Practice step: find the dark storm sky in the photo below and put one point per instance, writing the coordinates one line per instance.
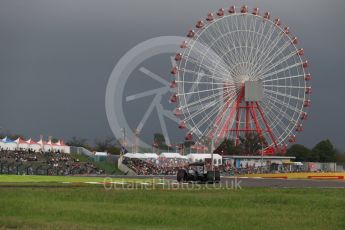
(56, 57)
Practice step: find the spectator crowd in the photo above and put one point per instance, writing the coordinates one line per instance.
(160, 166)
(43, 163)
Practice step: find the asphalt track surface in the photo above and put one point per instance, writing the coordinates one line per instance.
(266, 182)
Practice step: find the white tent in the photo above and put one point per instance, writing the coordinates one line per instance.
(57, 147)
(21, 144)
(135, 155)
(65, 148)
(151, 155)
(33, 145)
(48, 146)
(200, 157)
(42, 143)
(8, 144)
(172, 155)
(101, 154)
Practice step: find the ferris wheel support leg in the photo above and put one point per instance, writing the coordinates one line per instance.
(238, 102)
(267, 126)
(237, 127)
(255, 118)
(228, 121)
(247, 117)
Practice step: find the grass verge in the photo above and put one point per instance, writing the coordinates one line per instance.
(96, 208)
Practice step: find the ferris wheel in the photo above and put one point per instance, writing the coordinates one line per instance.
(240, 72)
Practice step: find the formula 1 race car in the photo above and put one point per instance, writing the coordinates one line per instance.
(197, 172)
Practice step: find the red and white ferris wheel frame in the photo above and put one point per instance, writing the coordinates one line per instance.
(234, 48)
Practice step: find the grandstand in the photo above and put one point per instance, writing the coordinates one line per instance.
(30, 162)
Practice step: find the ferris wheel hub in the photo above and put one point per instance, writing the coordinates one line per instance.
(254, 91)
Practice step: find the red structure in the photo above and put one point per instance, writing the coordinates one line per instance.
(249, 84)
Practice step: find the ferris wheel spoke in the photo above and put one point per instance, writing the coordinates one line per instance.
(266, 42)
(284, 78)
(279, 52)
(197, 107)
(267, 67)
(190, 104)
(204, 51)
(229, 40)
(279, 71)
(209, 64)
(219, 48)
(207, 75)
(279, 112)
(208, 118)
(251, 37)
(276, 112)
(267, 50)
(223, 114)
(276, 100)
(253, 43)
(200, 50)
(204, 91)
(283, 95)
(204, 108)
(272, 52)
(275, 122)
(194, 85)
(206, 83)
(264, 39)
(285, 86)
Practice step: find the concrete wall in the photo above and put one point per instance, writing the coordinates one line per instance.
(123, 168)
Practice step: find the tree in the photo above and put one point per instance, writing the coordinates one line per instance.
(159, 141)
(107, 145)
(301, 152)
(251, 143)
(78, 142)
(227, 147)
(340, 157)
(325, 151)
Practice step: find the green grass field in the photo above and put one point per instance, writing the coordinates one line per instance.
(67, 206)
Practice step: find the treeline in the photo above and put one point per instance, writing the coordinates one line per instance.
(109, 145)
(324, 151)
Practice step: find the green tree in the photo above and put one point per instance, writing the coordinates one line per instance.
(78, 142)
(159, 141)
(325, 151)
(227, 147)
(251, 143)
(107, 145)
(340, 157)
(301, 152)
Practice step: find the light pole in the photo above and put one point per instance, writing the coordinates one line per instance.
(212, 164)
